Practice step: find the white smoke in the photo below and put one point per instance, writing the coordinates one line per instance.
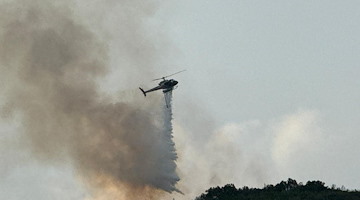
(251, 153)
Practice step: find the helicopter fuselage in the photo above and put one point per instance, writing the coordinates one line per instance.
(168, 83)
(165, 85)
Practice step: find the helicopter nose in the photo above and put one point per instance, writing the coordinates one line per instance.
(175, 82)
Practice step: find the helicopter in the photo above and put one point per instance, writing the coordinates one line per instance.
(166, 85)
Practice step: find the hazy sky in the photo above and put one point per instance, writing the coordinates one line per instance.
(271, 92)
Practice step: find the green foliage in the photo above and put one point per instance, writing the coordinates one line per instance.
(285, 190)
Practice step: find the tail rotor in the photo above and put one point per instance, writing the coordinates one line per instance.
(143, 91)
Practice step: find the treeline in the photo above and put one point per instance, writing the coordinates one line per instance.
(285, 190)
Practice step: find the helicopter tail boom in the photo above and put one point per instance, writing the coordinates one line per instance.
(142, 91)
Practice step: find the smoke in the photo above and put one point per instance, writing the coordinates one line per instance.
(252, 153)
(51, 64)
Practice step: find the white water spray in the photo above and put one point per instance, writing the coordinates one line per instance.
(168, 138)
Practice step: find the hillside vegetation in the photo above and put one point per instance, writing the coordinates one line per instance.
(285, 190)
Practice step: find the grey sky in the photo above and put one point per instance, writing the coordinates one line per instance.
(271, 92)
(272, 55)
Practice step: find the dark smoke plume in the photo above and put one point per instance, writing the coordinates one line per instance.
(50, 66)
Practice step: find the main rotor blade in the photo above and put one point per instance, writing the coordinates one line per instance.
(158, 78)
(169, 75)
(175, 73)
